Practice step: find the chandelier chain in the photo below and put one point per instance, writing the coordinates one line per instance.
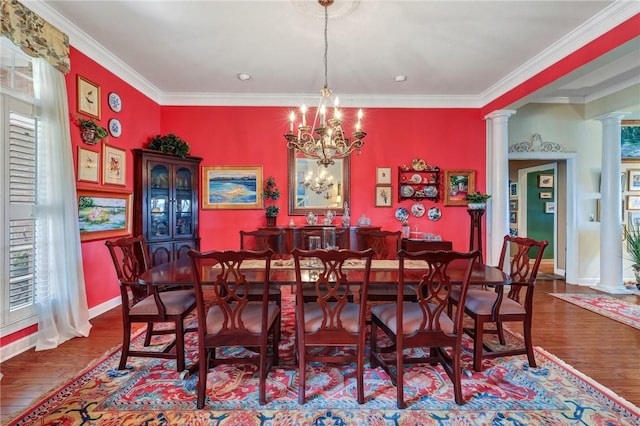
(326, 46)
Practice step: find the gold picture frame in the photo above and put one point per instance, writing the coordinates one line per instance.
(88, 165)
(114, 165)
(232, 187)
(104, 213)
(383, 175)
(383, 196)
(88, 97)
(457, 184)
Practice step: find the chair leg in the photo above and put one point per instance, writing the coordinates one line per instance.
(301, 363)
(180, 363)
(262, 392)
(528, 342)
(457, 375)
(500, 331)
(147, 337)
(400, 376)
(126, 342)
(478, 348)
(202, 377)
(360, 373)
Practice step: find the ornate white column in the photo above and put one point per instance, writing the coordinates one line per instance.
(611, 279)
(498, 183)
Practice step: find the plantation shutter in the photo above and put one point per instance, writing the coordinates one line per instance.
(20, 199)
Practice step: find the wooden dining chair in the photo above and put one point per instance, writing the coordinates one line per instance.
(147, 304)
(495, 306)
(423, 323)
(227, 318)
(260, 240)
(331, 318)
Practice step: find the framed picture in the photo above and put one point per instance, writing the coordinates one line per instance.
(545, 195)
(383, 195)
(383, 175)
(513, 205)
(232, 187)
(550, 207)
(634, 220)
(513, 189)
(630, 140)
(88, 97)
(513, 217)
(114, 165)
(88, 165)
(545, 181)
(103, 213)
(457, 184)
(634, 180)
(633, 202)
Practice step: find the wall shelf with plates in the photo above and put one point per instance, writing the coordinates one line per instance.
(421, 181)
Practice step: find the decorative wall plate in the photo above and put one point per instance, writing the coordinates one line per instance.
(430, 191)
(406, 190)
(114, 102)
(417, 210)
(115, 128)
(402, 214)
(418, 164)
(434, 214)
(416, 178)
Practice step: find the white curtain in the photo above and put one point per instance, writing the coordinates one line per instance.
(60, 291)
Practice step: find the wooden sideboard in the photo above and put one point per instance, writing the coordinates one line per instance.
(419, 245)
(296, 234)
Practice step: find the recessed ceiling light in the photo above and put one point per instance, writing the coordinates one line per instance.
(400, 78)
(243, 77)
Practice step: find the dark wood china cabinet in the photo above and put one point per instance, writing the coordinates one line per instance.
(166, 203)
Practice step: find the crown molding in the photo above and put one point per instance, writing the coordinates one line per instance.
(612, 16)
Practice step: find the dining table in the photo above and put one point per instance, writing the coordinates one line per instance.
(384, 271)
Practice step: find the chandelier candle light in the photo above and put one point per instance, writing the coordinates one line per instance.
(325, 140)
(323, 182)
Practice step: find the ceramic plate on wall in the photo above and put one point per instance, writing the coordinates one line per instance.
(114, 102)
(434, 214)
(417, 210)
(406, 191)
(115, 128)
(402, 214)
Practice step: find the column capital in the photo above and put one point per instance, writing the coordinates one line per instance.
(500, 113)
(612, 116)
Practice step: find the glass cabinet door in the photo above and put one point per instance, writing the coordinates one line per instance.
(184, 202)
(159, 202)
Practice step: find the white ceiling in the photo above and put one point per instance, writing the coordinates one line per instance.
(454, 53)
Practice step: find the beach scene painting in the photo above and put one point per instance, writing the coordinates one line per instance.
(232, 187)
(103, 214)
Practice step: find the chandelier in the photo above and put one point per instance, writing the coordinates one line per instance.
(323, 182)
(324, 140)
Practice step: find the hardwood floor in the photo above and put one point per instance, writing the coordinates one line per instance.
(603, 349)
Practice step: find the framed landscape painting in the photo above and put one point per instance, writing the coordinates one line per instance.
(232, 187)
(457, 184)
(103, 213)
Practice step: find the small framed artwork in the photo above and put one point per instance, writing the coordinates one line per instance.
(634, 180)
(88, 165)
(545, 195)
(513, 217)
(545, 181)
(114, 165)
(88, 97)
(383, 175)
(513, 232)
(513, 189)
(633, 202)
(103, 213)
(232, 187)
(550, 207)
(513, 205)
(457, 184)
(634, 220)
(383, 195)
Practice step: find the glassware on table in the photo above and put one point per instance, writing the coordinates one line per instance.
(329, 237)
(314, 244)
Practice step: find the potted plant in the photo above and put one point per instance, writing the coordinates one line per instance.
(271, 193)
(477, 200)
(631, 234)
(169, 144)
(90, 131)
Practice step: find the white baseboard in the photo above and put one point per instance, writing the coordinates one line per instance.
(28, 342)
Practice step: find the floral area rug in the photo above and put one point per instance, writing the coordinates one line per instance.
(610, 307)
(508, 392)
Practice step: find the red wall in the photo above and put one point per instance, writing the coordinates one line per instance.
(448, 138)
